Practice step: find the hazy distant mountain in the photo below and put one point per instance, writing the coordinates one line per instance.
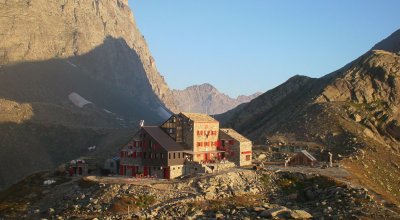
(206, 98)
(353, 113)
(51, 49)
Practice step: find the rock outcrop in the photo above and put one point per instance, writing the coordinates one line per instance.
(206, 98)
(52, 49)
(99, 37)
(356, 107)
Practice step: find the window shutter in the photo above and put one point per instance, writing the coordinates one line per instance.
(198, 132)
(201, 143)
(122, 154)
(219, 143)
(140, 144)
(134, 154)
(201, 132)
(134, 144)
(140, 154)
(130, 146)
(231, 142)
(140, 135)
(144, 144)
(155, 146)
(232, 153)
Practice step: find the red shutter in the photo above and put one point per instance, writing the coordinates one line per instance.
(140, 143)
(231, 142)
(121, 169)
(232, 153)
(198, 132)
(144, 144)
(219, 143)
(140, 135)
(122, 154)
(140, 154)
(155, 146)
(201, 144)
(201, 132)
(134, 154)
(134, 144)
(130, 146)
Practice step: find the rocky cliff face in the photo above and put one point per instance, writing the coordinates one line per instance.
(52, 49)
(100, 37)
(206, 98)
(354, 111)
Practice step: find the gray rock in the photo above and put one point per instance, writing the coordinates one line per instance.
(274, 212)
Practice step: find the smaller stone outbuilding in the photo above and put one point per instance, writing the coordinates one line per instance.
(303, 158)
(238, 149)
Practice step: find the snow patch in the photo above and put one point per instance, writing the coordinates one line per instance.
(78, 100)
(163, 113)
(71, 64)
(107, 111)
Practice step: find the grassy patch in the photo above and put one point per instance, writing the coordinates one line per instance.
(265, 178)
(134, 202)
(232, 202)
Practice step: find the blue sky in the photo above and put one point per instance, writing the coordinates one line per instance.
(248, 46)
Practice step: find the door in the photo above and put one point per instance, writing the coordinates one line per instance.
(133, 171)
(187, 170)
(166, 173)
(80, 170)
(121, 170)
(146, 171)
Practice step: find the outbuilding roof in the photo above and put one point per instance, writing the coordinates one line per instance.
(163, 138)
(308, 155)
(234, 134)
(198, 117)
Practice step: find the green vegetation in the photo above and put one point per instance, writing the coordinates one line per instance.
(134, 202)
(265, 178)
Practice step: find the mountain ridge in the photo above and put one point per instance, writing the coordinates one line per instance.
(205, 98)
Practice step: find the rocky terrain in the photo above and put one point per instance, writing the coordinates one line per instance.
(50, 50)
(351, 112)
(232, 194)
(206, 98)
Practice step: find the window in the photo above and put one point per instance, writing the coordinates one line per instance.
(171, 120)
(140, 154)
(144, 154)
(171, 130)
(201, 144)
(231, 142)
(134, 154)
(150, 143)
(140, 135)
(155, 146)
(212, 143)
(247, 157)
(135, 144)
(174, 155)
(198, 133)
(111, 164)
(130, 147)
(179, 155)
(140, 144)
(156, 155)
(206, 144)
(150, 155)
(169, 155)
(161, 155)
(198, 144)
(179, 168)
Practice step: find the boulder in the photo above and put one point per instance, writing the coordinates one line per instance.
(300, 214)
(274, 212)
